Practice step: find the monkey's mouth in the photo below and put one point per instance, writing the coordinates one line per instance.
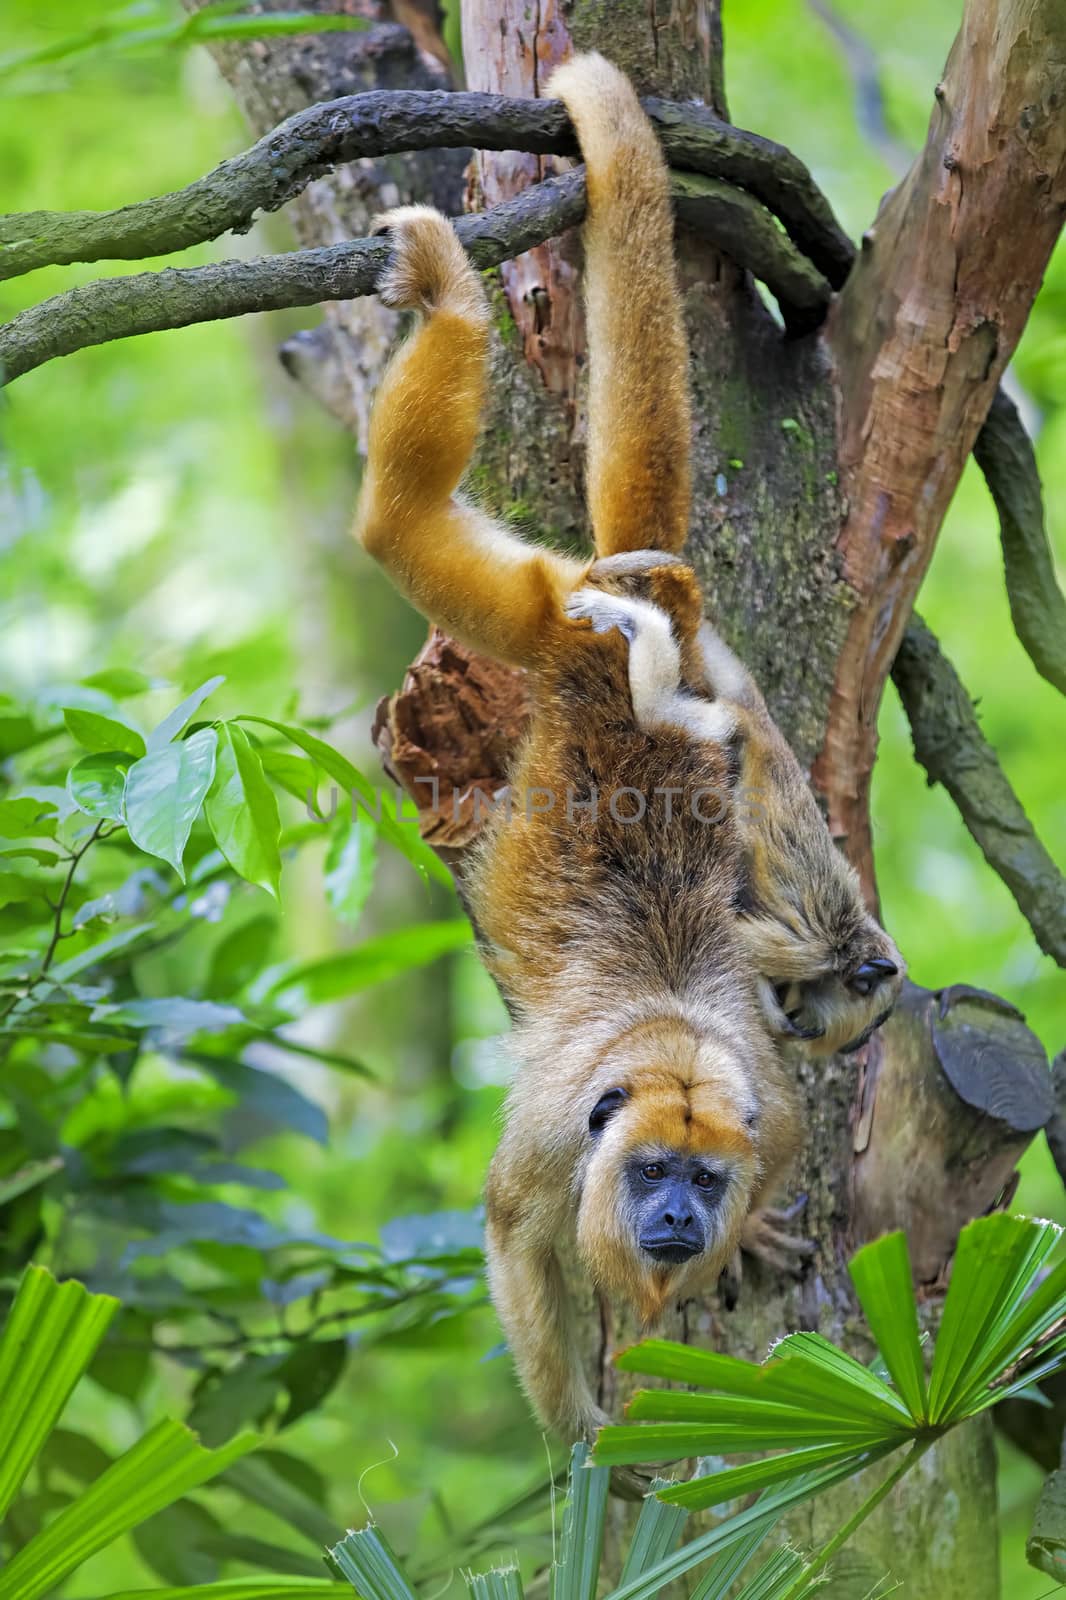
(669, 1249)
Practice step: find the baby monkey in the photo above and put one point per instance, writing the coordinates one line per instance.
(643, 928)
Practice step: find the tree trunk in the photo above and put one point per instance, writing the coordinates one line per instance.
(811, 540)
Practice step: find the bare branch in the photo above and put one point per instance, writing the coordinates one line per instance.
(147, 302)
(949, 744)
(1004, 452)
(313, 141)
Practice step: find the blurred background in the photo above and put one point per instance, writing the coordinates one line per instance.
(176, 505)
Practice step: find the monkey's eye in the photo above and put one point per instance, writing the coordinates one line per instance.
(705, 1179)
(654, 1172)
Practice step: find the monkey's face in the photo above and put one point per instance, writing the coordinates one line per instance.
(670, 1170)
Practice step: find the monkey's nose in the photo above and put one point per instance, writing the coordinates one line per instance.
(675, 1219)
(871, 973)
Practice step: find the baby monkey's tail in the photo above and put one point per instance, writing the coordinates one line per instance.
(639, 423)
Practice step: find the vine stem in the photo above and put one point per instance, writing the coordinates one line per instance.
(57, 925)
(829, 1550)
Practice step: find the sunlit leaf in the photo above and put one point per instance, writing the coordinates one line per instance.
(353, 783)
(97, 784)
(164, 793)
(996, 1263)
(98, 733)
(242, 812)
(881, 1273)
(157, 1470)
(349, 875)
(173, 723)
(49, 1338)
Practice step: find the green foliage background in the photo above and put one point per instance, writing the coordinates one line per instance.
(174, 505)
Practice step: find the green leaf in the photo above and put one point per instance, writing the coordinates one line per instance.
(241, 955)
(366, 1559)
(226, 1401)
(502, 1583)
(242, 812)
(28, 1177)
(25, 816)
(350, 862)
(278, 1483)
(405, 838)
(336, 976)
(97, 784)
(656, 1534)
(805, 1371)
(246, 1589)
(175, 1016)
(310, 1371)
(172, 725)
(99, 733)
(295, 774)
(119, 682)
(264, 1095)
(997, 1261)
(734, 1530)
(576, 1572)
(716, 1584)
(164, 793)
(730, 1426)
(716, 1488)
(881, 1273)
(159, 1469)
(94, 954)
(49, 1338)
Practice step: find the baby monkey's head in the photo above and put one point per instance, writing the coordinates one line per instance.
(829, 974)
(671, 1167)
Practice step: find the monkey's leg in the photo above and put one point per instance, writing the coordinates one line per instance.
(456, 565)
(639, 419)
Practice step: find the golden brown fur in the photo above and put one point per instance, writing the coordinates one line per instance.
(606, 889)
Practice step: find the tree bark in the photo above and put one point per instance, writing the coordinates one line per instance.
(811, 539)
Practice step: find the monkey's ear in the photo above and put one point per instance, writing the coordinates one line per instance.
(605, 1108)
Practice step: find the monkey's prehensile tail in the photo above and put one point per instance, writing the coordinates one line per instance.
(639, 419)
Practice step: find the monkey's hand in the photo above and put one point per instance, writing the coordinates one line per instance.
(766, 1236)
(429, 270)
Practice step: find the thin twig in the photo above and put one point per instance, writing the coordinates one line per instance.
(57, 923)
(949, 744)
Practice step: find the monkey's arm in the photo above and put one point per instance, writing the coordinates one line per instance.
(525, 1217)
(456, 565)
(639, 421)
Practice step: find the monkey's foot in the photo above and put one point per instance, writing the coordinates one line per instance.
(428, 268)
(766, 1236)
(606, 611)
